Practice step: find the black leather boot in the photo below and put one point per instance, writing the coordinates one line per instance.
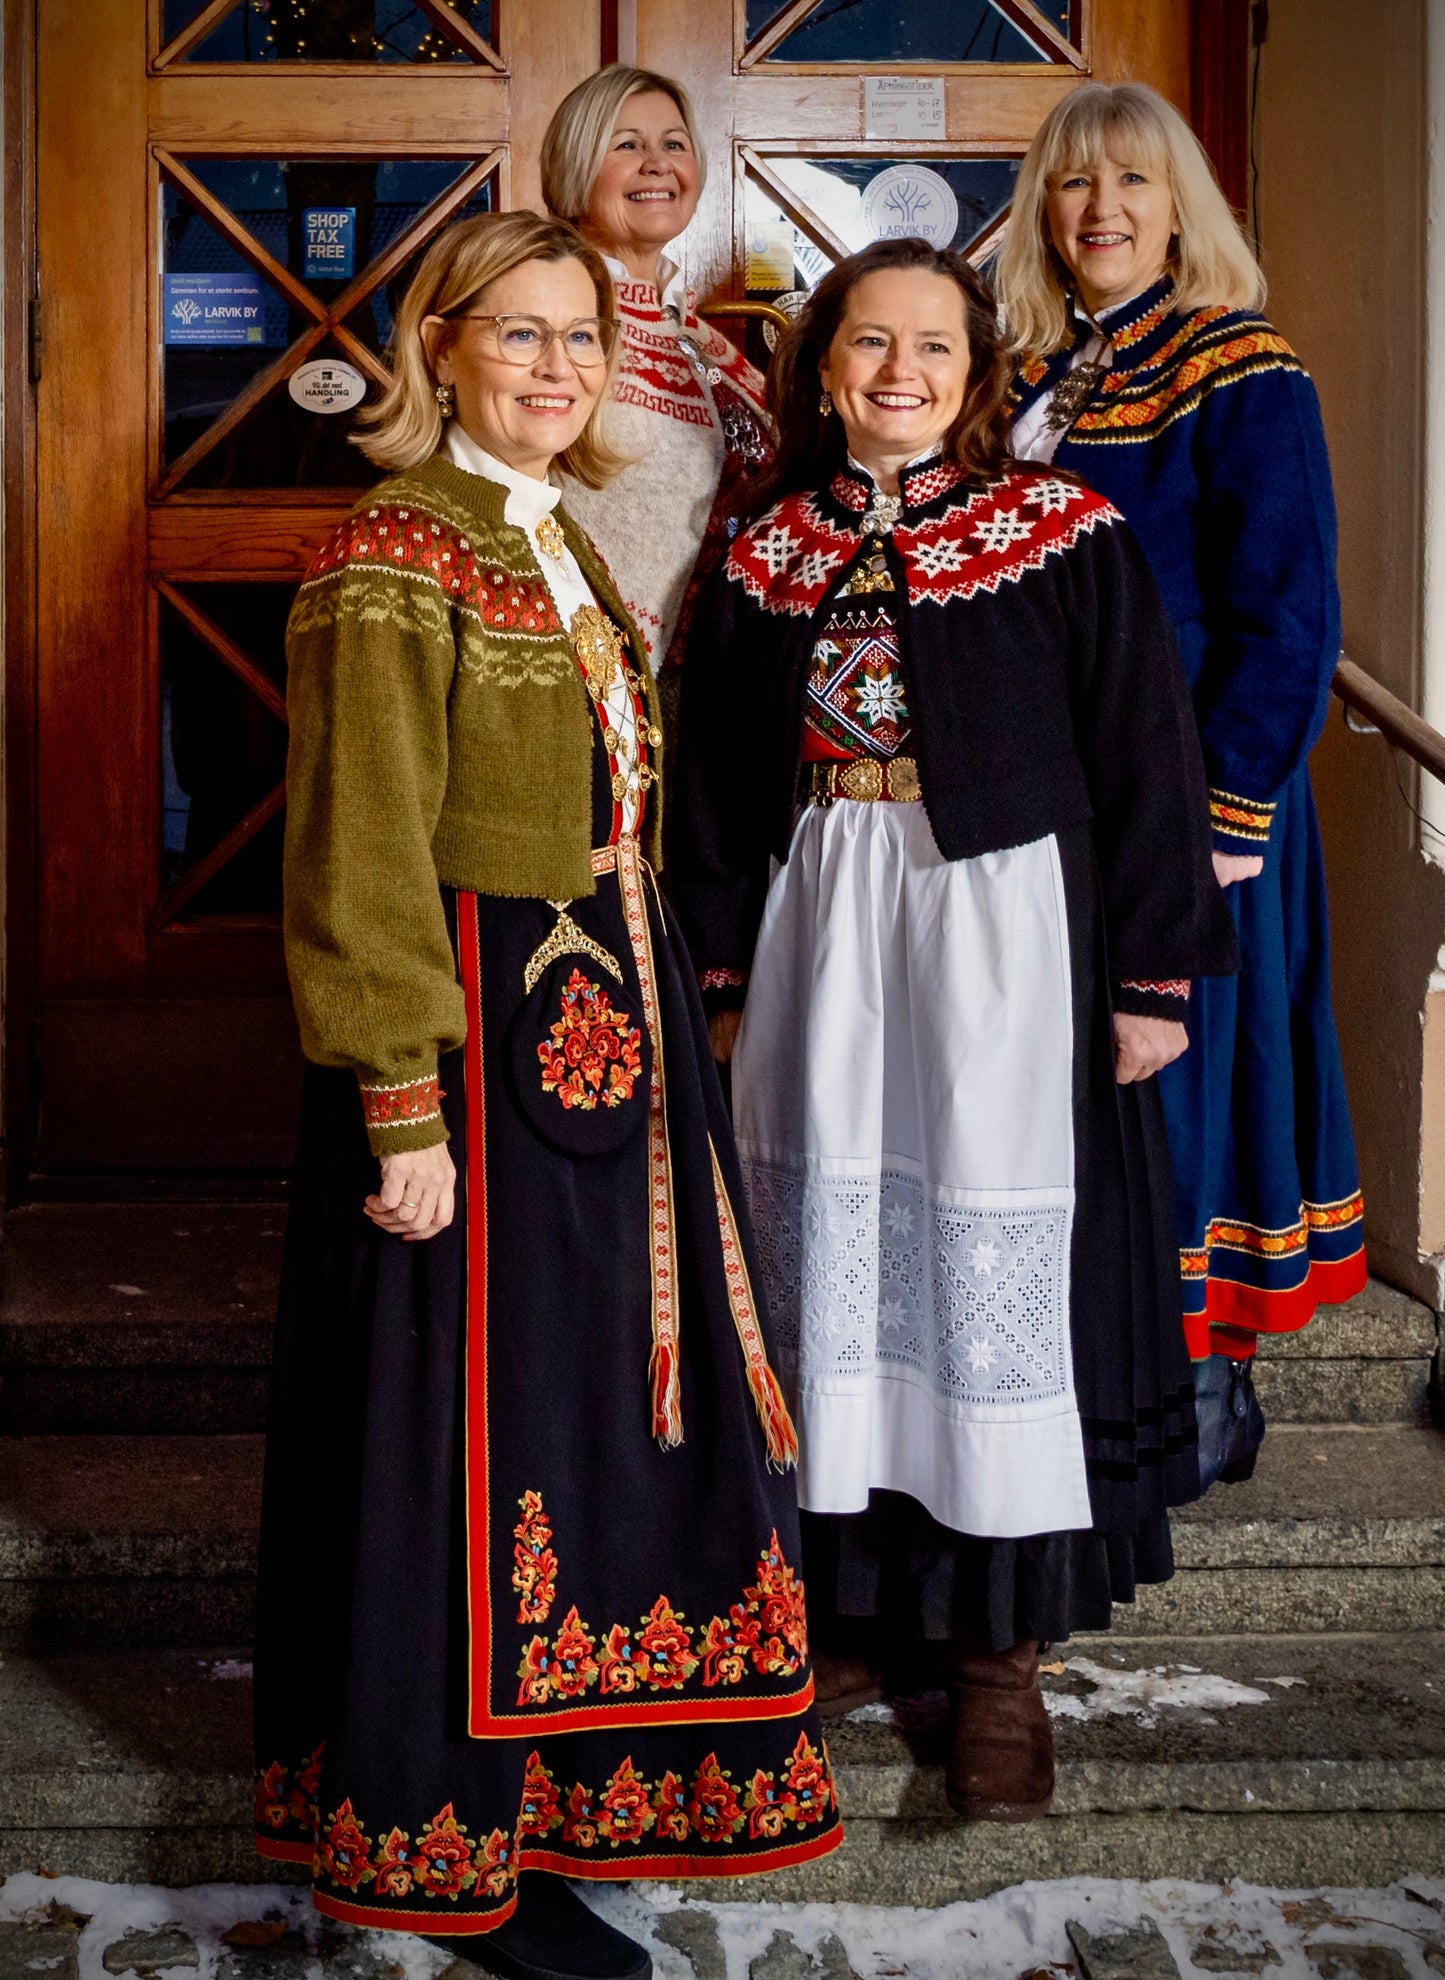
(552, 1935)
(1231, 1422)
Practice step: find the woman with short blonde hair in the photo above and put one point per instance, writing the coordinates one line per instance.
(623, 161)
(1132, 301)
(528, 1601)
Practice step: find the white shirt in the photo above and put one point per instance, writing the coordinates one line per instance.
(528, 500)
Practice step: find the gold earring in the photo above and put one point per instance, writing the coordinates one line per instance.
(825, 404)
(446, 399)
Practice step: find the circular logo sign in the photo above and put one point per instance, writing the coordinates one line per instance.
(908, 200)
(326, 385)
(791, 304)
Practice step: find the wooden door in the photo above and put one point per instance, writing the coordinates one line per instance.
(794, 100)
(227, 191)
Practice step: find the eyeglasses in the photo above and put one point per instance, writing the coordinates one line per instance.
(525, 339)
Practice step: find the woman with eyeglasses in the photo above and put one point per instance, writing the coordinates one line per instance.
(528, 1606)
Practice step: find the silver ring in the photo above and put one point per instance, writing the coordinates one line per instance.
(408, 1202)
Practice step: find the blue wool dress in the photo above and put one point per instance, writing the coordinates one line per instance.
(1205, 431)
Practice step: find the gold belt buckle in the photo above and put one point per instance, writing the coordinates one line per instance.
(862, 779)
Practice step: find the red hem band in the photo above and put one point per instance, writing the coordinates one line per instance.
(1242, 1312)
(437, 1923)
(285, 1852)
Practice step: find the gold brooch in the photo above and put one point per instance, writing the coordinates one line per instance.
(598, 645)
(550, 540)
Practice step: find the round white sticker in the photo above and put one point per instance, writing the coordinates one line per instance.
(326, 385)
(908, 200)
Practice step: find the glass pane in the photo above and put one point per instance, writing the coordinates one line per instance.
(328, 219)
(222, 750)
(222, 322)
(325, 220)
(327, 31)
(860, 32)
(865, 199)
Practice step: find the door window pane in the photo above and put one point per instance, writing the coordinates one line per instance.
(856, 202)
(325, 221)
(222, 749)
(328, 31)
(862, 32)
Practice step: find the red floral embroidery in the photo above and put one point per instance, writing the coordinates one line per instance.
(670, 1802)
(445, 1860)
(594, 1056)
(393, 1878)
(713, 1808)
(667, 1647)
(810, 1783)
(280, 1801)
(442, 1859)
(541, 1810)
(344, 1852)
(580, 1824)
(767, 1630)
(535, 1575)
(626, 1814)
(493, 1864)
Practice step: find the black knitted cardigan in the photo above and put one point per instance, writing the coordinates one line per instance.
(1045, 691)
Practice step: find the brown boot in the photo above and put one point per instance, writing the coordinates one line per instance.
(842, 1681)
(1001, 1746)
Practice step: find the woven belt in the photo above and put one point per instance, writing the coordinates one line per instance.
(868, 779)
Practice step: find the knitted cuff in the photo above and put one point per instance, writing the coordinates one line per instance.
(1241, 825)
(402, 1115)
(1144, 997)
(722, 990)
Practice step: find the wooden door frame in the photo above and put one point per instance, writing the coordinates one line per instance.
(19, 966)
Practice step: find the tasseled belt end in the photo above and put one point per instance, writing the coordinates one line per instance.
(666, 1387)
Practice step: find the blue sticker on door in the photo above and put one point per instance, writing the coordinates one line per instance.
(330, 233)
(217, 307)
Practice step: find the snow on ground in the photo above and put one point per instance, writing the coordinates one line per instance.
(1098, 1691)
(1016, 1933)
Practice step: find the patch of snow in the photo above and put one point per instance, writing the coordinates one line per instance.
(1283, 1683)
(229, 1667)
(995, 1938)
(132, 1292)
(1143, 1695)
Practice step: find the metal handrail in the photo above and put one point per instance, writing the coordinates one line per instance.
(769, 312)
(1395, 719)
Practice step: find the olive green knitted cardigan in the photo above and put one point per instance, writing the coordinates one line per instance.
(440, 732)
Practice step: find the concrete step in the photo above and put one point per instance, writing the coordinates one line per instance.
(138, 1317)
(1368, 1361)
(129, 1764)
(152, 1540)
(128, 1539)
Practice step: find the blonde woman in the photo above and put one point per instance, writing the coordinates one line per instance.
(528, 1602)
(622, 160)
(1145, 367)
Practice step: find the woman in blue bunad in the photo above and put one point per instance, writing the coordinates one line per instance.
(1145, 368)
(941, 833)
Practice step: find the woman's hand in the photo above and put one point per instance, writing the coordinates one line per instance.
(418, 1193)
(1229, 867)
(722, 1033)
(1143, 1044)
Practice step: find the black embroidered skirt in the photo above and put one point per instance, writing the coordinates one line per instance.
(502, 1626)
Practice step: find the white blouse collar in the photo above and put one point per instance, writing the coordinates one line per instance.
(528, 500)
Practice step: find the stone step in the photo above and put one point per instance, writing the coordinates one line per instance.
(1368, 1361)
(1279, 1760)
(138, 1317)
(110, 1539)
(152, 1540)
